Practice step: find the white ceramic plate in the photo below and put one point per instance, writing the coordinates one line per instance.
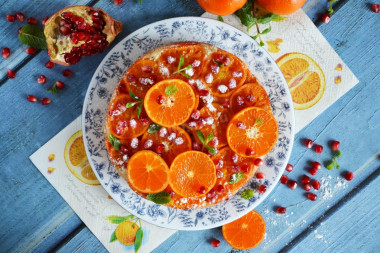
(121, 57)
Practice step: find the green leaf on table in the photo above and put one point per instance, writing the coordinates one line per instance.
(171, 90)
(336, 153)
(159, 198)
(337, 166)
(201, 136)
(210, 149)
(266, 19)
(247, 194)
(255, 36)
(113, 237)
(279, 18)
(181, 62)
(236, 177)
(261, 43)
(267, 30)
(330, 164)
(139, 109)
(132, 95)
(138, 239)
(154, 128)
(54, 89)
(131, 104)
(114, 141)
(114, 219)
(330, 10)
(33, 36)
(245, 15)
(220, 18)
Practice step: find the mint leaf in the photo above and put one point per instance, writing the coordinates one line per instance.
(118, 219)
(220, 64)
(54, 89)
(113, 237)
(336, 153)
(132, 95)
(255, 36)
(261, 43)
(209, 137)
(245, 15)
(211, 150)
(266, 19)
(220, 18)
(131, 104)
(171, 90)
(153, 128)
(139, 109)
(201, 136)
(247, 194)
(330, 165)
(114, 141)
(279, 18)
(266, 30)
(33, 36)
(236, 177)
(330, 10)
(159, 198)
(138, 239)
(185, 75)
(181, 62)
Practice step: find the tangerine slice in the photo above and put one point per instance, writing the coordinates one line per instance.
(190, 172)
(246, 232)
(147, 172)
(120, 158)
(193, 55)
(250, 78)
(305, 79)
(250, 94)
(223, 73)
(169, 142)
(122, 121)
(177, 101)
(252, 132)
(142, 75)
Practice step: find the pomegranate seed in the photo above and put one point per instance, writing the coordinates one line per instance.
(32, 21)
(250, 98)
(240, 125)
(160, 148)
(45, 101)
(312, 196)
(132, 79)
(260, 175)
(197, 146)
(153, 79)
(30, 50)
(349, 176)
(172, 194)
(284, 179)
(315, 184)
(244, 168)
(146, 69)
(262, 188)
(292, 184)
(60, 85)
(41, 79)
(239, 100)
(67, 73)
(220, 188)
(215, 243)
(203, 93)
(235, 168)
(123, 149)
(202, 190)
(43, 21)
(335, 145)
(49, 64)
(226, 103)
(144, 121)
(31, 98)
(307, 187)
(20, 16)
(308, 143)
(19, 31)
(281, 210)
(219, 173)
(117, 2)
(375, 8)
(305, 179)
(11, 73)
(289, 167)
(6, 52)
(326, 18)
(160, 99)
(195, 114)
(249, 151)
(318, 149)
(211, 194)
(313, 171)
(10, 18)
(258, 162)
(316, 165)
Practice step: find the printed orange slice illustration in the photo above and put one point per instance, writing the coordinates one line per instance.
(170, 102)
(147, 172)
(76, 160)
(126, 232)
(250, 94)
(124, 122)
(168, 142)
(246, 232)
(252, 132)
(192, 174)
(305, 79)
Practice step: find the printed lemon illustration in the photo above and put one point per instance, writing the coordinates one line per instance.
(76, 160)
(126, 232)
(305, 79)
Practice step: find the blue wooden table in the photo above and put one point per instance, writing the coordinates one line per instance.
(33, 217)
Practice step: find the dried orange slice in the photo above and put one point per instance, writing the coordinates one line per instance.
(223, 73)
(192, 174)
(124, 122)
(170, 102)
(250, 94)
(252, 132)
(147, 172)
(246, 232)
(305, 79)
(168, 142)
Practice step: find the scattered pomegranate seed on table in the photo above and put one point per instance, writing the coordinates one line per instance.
(118, 2)
(307, 187)
(262, 188)
(11, 73)
(318, 149)
(313, 171)
(19, 31)
(215, 243)
(20, 16)
(305, 179)
(49, 64)
(281, 210)
(30, 50)
(10, 18)
(316, 165)
(6, 52)
(289, 167)
(41, 79)
(67, 73)
(326, 18)
(260, 175)
(309, 143)
(349, 176)
(292, 184)
(375, 8)
(45, 101)
(43, 21)
(335, 145)
(31, 21)
(315, 184)
(312, 196)
(284, 179)
(60, 85)
(31, 98)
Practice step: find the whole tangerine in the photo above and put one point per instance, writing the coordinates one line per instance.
(281, 7)
(221, 7)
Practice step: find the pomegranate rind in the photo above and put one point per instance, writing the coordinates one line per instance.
(51, 31)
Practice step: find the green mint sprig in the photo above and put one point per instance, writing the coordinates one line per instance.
(181, 70)
(33, 36)
(171, 90)
(220, 18)
(330, 9)
(159, 198)
(236, 177)
(205, 141)
(154, 128)
(54, 89)
(115, 142)
(247, 194)
(220, 64)
(139, 102)
(333, 163)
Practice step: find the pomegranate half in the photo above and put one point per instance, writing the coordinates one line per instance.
(78, 31)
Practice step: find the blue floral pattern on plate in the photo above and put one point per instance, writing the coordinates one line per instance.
(121, 57)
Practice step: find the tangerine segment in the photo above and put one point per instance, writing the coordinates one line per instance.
(190, 172)
(147, 172)
(250, 94)
(246, 232)
(177, 102)
(142, 75)
(223, 73)
(193, 55)
(122, 121)
(250, 78)
(305, 79)
(77, 153)
(252, 132)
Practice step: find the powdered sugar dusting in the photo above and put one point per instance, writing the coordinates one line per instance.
(222, 88)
